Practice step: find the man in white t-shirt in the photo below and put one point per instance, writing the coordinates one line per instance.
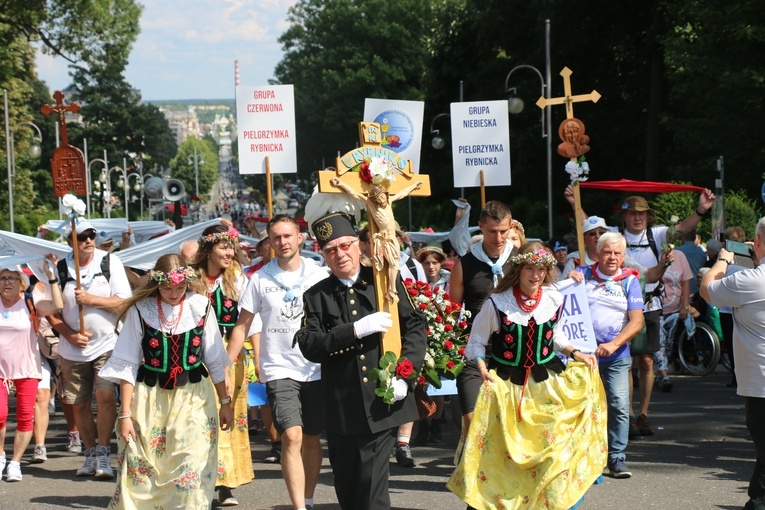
(744, 291)
(293, 383)
(82, 353)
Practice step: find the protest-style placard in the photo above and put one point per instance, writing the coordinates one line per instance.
(400, 125)
(266, 129)
(575, 317)
(480, 142)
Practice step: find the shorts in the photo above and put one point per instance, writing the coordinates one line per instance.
(80, 378)
(653, 331)
(296, 404)
(47, 374)
(468, 385)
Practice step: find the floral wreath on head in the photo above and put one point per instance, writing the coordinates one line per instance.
(175, 276)
(230, 236)
(535, 258)
(517, 225)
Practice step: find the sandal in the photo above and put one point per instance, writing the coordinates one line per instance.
(276, 454)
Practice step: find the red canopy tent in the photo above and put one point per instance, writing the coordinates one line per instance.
(639, 186)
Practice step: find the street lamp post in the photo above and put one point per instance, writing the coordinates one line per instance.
(10, 152)
(90, 179)
(515, 106)
(196, 159)
(137, 187)
(438, 141)
(105, 178)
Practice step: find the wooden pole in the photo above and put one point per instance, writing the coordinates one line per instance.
(578, 217)
(268, 189)
(483, 190)
(76, 249)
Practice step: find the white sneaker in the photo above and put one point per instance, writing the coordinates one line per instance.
(89, 466)
(2, 465)
(74, 444)
(103, 465)
(40, 455)
(14, 471)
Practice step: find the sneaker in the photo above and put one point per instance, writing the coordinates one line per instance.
(89, 466)
(634, 432)
(665, 385)
(404, 456)
(644, 426)
(103, 465)
(74, 444)
(618, 469)
(40, 455)
(2, 465)
(14, 471)
(52, 407)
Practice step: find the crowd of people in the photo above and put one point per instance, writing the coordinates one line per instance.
(165, 357)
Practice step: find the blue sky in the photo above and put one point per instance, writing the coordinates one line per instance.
(186, 48)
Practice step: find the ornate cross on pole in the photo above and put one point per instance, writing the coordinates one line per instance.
(68, 170)
(377, 176)
(569, 101)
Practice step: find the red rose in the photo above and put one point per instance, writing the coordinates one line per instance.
(448, 327)
(423, 306)
(508, 355)
(439, 319)
(154, 362)
(404, 369)
(153, 343)
(436, 289)
(447, 297)
(448, 345)
(421, 380)
(456, 306)
(192, 359)
(365, 173)
(414, 292)
(408, 282)
(461, 351)
(462, 324)
(448, 309)
(450, 364)
(196, 341)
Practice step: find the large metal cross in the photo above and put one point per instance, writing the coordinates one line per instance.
(569, 101)
(405, 183)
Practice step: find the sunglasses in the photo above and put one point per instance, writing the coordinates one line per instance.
(90, 234)
(331, 252)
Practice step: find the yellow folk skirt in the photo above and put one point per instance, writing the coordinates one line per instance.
(234, 457)
(172, 464)
(549, 458)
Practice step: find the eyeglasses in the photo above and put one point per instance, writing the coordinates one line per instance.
(90, 234)
(9, 279)
(331, 252)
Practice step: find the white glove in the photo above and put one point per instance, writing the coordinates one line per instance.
(400, 389)
(378, 322)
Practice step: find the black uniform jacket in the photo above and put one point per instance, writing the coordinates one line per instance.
(350, 405)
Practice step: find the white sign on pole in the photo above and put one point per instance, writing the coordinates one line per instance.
(480, 141)
(575, 316)
(401, 125)
(266, 128)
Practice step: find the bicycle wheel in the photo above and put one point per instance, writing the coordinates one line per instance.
(700, 353)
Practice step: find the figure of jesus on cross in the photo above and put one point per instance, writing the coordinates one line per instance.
(385, 248)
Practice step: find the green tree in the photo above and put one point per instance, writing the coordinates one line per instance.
(182, 165)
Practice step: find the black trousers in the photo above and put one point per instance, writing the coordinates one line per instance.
(755, 423)
(361, 466)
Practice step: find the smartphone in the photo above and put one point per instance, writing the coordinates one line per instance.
(742, 253)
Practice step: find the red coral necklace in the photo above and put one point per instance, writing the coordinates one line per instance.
(527, 303)
(167, 325)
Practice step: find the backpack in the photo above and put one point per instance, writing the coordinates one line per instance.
(63, 271)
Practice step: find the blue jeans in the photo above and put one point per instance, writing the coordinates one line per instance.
(615, 376)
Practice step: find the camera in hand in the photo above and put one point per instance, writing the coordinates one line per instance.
(742, 253)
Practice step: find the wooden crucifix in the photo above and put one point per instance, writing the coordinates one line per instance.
(67, 167)
(378, 176)
(578, 149)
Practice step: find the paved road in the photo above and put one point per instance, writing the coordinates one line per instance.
(700, 458)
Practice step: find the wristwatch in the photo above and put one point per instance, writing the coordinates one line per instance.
(573, 354)
(729, 262)
(226, 400)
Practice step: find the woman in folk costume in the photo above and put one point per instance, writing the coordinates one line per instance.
(217, 266)
(538, 435)
(167, 426)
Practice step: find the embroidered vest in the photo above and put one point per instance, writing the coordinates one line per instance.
(226, 310)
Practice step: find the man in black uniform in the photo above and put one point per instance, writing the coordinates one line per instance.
(473, 278)
(341, 330)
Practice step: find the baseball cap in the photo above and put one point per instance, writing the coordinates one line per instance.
(593, 222)
(81, 226)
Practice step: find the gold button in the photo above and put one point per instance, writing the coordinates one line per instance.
(361, 346)
(351, 291)
(362, 357)
(353, 302)
(363, 369)
(354, 312)
(365, 380)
